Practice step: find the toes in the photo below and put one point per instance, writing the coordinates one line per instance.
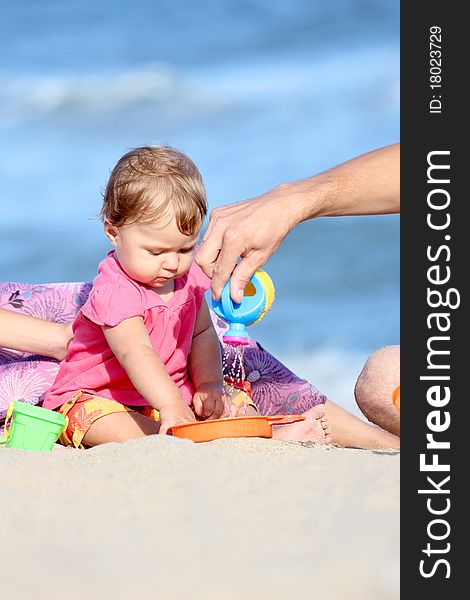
(325, 423)
(315, 428)
(320, 430)
(326, 430)
(317, 412)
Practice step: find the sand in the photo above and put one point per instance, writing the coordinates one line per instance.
(167, 518)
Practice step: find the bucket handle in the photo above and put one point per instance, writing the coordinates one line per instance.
(8, 418)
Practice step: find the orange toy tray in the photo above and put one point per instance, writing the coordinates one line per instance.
(206, 431)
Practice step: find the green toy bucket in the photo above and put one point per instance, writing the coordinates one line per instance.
(30, 427)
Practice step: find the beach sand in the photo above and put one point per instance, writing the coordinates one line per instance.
(163, 517)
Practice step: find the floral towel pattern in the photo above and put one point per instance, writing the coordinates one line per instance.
(27, 377)
(23, 376)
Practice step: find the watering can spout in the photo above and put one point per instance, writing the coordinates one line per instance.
(256, 302)
(236, 335)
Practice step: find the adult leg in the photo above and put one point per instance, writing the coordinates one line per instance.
(277, 390)
(330, 424)
(375, 385)
(349, 431)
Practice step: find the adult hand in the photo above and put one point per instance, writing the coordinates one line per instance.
(251, 230)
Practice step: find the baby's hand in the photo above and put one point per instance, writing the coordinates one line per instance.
(176, 413)
(209, 401)
(237, 405)
(241, 410)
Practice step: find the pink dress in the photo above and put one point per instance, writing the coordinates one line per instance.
(91, 366)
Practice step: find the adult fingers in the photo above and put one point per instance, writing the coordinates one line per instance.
(207, 255)
(218, 234)
(214, 218)
(231, 249)
(211, 244)
(243, 273)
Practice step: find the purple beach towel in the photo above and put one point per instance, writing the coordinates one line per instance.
(27, 377)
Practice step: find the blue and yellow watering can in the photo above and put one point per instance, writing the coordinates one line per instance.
(256, 302)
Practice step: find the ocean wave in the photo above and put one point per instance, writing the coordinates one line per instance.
(176, 92)
(28, 97)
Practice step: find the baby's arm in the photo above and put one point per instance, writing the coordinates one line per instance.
(205, 367)
(130, 343)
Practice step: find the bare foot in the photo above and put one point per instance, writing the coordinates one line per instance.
(315, 428)
(351, 432)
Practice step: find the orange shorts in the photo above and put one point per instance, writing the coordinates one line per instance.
(83, 409)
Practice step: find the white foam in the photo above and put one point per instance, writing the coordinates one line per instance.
(171, 90)
(26, 97)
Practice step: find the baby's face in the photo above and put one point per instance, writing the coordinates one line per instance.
(153, 253)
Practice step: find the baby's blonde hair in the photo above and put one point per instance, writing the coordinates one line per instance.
(152, 182)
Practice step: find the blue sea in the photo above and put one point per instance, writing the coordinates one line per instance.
(257, 93)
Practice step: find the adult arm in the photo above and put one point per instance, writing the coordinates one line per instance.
(37, 336)
(253, 230)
